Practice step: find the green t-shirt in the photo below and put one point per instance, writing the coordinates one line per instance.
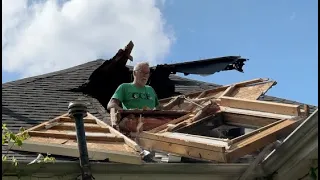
(133, 97)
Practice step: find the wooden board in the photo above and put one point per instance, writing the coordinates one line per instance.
(58, 137)
(175, 121)
(182, 150)
(263, 106)
(251, 92)
(216, 149)
(255, 113)
(213, 145)
(246, 120)
(154, 112)
(259, 140)
(121, 154)
(184, 145)
(216, 92)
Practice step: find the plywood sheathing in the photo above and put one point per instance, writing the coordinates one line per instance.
(251, 91)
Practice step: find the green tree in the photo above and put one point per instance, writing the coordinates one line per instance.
(17, 139)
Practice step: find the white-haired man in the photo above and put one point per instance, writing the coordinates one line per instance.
(138, 95)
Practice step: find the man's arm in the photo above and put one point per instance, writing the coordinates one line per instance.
(116, 99)
(114, 103)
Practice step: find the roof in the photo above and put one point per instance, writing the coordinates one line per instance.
(31, 101)
(303, 145)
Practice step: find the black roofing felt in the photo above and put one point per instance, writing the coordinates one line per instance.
(31, 101)
(209, 66)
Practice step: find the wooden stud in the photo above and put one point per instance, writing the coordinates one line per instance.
(175, 121)
(69, 119)
(87, 126)
(259, 140)
(255, 113)
(42, 125)
(306, 110)
(72, 151)
(228, 91)
(263, 106)
(185, 142)
(188, 124)
(113, 117)
(190, 107)
(240, 138)
(182, 150)
(246, 120)
(72, 135)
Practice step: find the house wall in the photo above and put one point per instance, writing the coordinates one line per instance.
(168, 171)
(130, 176)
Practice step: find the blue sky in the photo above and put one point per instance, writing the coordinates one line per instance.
(280, 38)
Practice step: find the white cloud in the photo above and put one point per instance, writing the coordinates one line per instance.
(46, 36)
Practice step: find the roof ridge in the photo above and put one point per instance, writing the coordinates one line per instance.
(51, 74)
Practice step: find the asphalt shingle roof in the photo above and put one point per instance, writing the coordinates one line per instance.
(31, 101)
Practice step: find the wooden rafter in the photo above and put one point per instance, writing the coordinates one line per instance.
(184, 145)
(262, 106)
(261, 139)
(215, 149)
(239, 107)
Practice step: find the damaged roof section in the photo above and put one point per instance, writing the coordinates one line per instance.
(103, 81)
(58, 137)
(221, 126)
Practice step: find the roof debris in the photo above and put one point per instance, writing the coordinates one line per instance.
(217, 125)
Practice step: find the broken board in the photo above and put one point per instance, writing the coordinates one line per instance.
(270, 121)
(137, 120)
(215, 149)
(58, 137)
(250, 90)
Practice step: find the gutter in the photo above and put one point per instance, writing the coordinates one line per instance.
(67, 168)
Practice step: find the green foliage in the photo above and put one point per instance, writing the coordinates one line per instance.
(313, 173)
(48, 159)
(8, 136)
(17, 139)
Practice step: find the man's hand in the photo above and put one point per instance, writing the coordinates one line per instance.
(114, 103)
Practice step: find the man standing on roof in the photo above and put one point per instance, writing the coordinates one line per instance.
(138, 95)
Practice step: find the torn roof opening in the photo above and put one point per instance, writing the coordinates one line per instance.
(104, 80)
(208, 66)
